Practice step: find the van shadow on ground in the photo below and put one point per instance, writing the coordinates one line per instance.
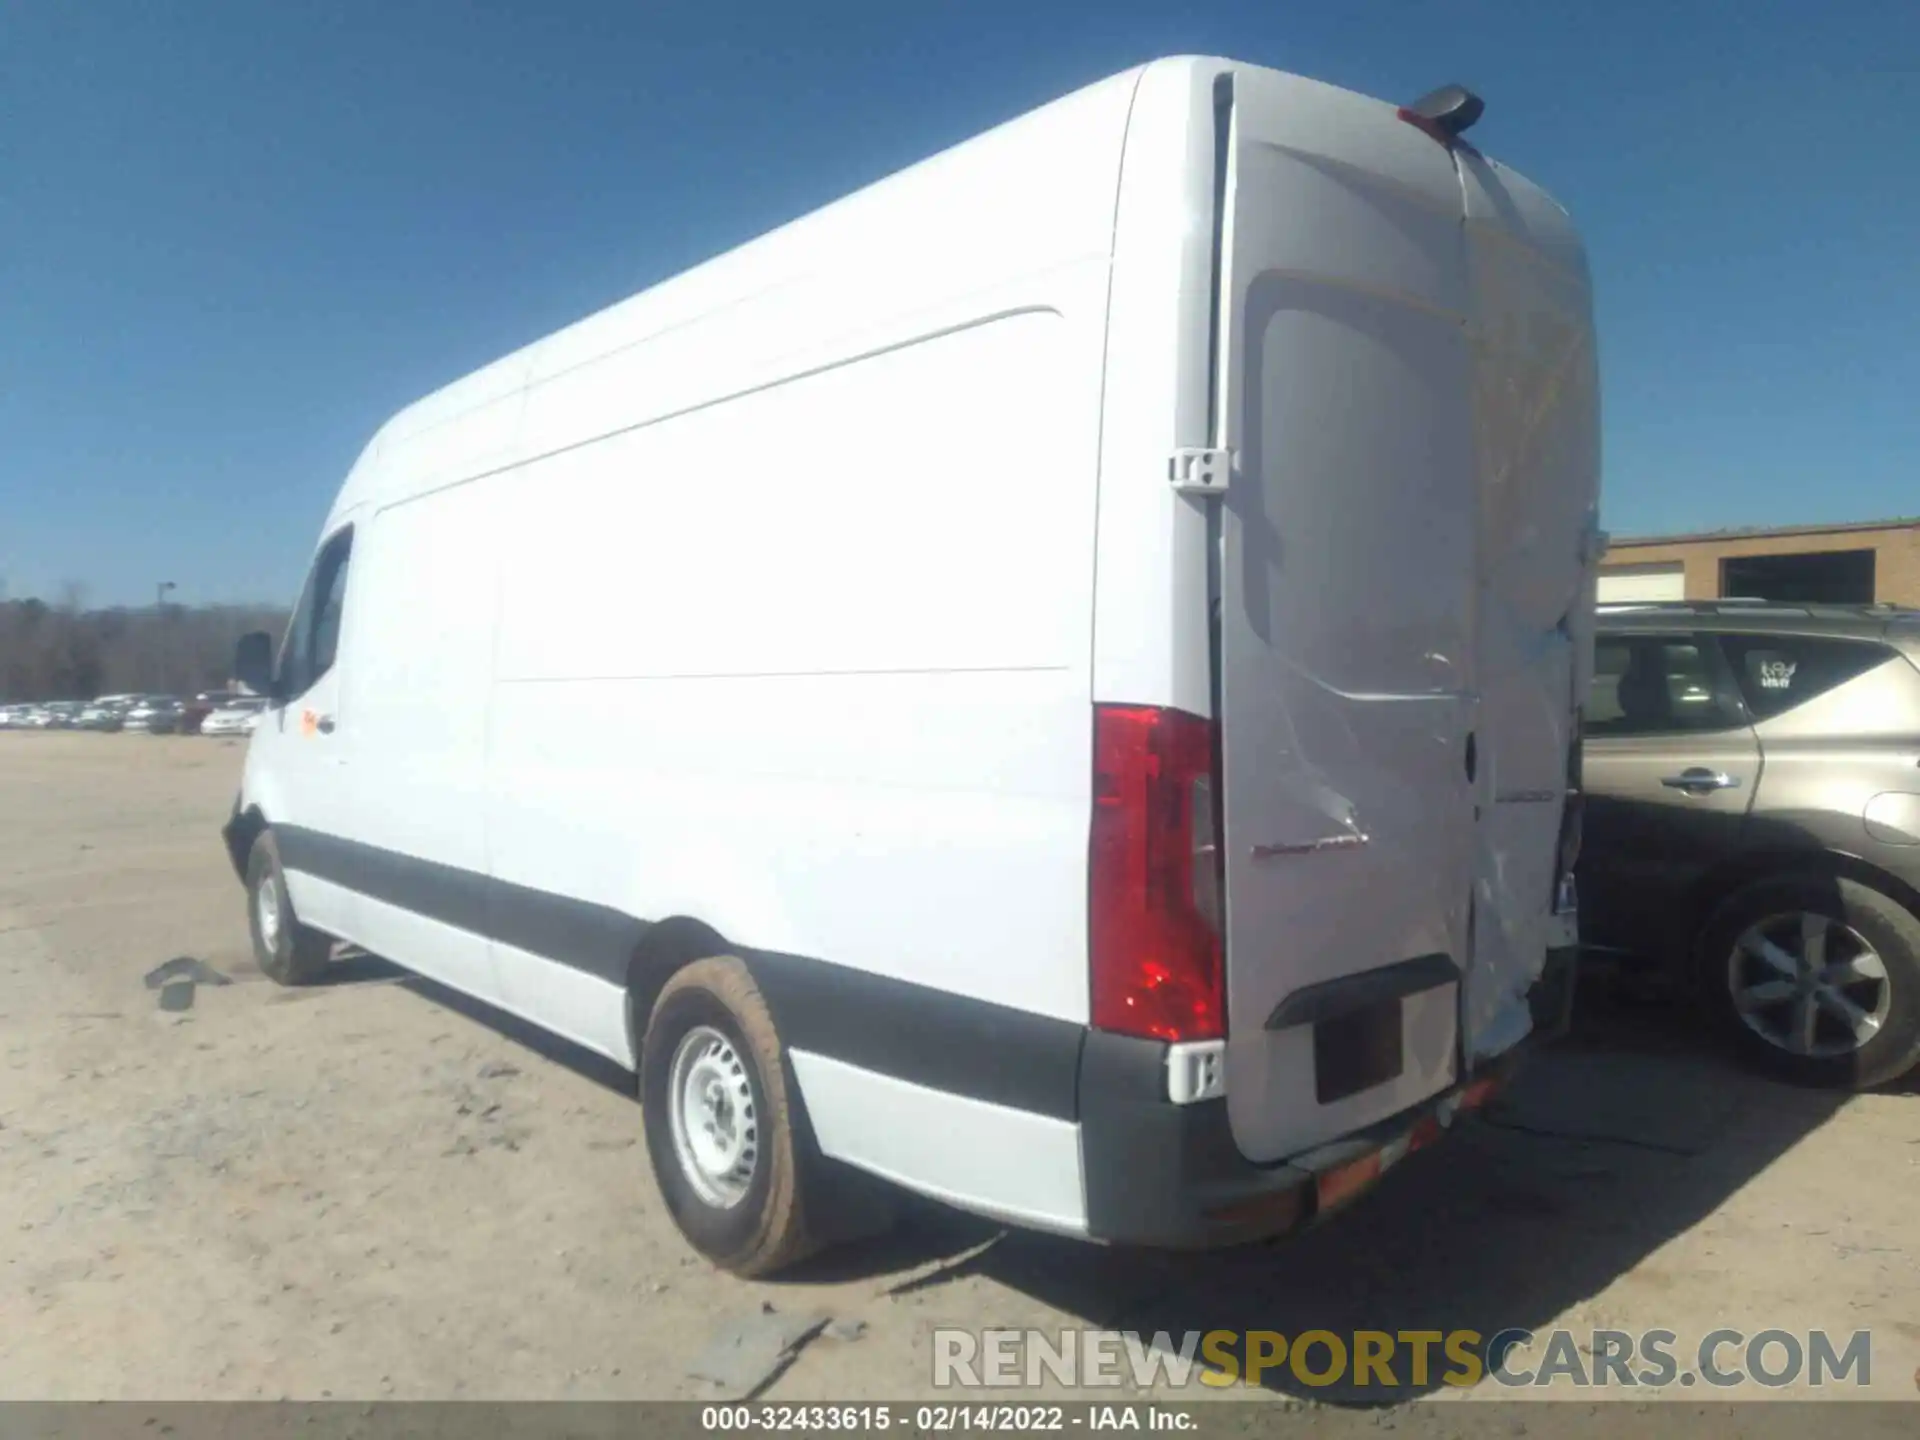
(1626, 1134)
(544, 1043)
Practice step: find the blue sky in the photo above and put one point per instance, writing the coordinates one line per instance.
(235, 236)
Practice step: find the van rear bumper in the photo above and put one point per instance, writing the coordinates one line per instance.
(1171, 1176)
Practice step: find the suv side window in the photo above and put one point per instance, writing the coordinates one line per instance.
(1779, 672)
(1660, 685)
(313, 634)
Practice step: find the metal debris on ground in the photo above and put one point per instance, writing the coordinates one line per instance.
(846, 1329)
(177, 995)
(498, 1070)
(747, 1355)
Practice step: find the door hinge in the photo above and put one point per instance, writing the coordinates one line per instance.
(1200, 471)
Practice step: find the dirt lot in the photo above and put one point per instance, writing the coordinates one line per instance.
(372, 1189)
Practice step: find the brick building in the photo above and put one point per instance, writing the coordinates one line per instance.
(1845, 564)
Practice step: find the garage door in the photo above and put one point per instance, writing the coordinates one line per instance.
(1642, 584)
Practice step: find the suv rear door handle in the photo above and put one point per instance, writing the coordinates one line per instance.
(1697, 780)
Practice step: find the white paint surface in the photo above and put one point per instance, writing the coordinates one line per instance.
(778, 596)
(1009, 1164)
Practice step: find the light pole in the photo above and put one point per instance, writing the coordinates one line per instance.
(156, 655)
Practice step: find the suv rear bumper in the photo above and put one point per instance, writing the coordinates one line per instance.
(1171, 1176)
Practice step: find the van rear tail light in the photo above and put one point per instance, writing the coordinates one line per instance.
(1155, 918)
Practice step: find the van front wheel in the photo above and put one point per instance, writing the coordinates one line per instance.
(285, 950)
(720, 1132)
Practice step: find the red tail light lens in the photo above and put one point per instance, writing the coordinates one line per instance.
(1157, 962)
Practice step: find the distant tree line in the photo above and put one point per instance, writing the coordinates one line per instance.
(66, 651)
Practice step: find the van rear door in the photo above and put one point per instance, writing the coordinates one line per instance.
(1408, 549)
(1347, 613)
(1536, 418)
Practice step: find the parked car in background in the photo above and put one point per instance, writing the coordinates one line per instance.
(101, 715)
(1752, 823)
(194, 712)
(169, 718)
(236, 717)
(140, 716)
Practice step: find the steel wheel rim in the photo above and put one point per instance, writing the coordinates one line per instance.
(1809, 985)
(266, 909)
(716, 1130)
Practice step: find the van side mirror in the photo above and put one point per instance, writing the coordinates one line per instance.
(253, 662)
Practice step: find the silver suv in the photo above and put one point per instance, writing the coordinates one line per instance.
(1752, 820)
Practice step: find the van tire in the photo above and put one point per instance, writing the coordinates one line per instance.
(286, 951)
(1888, 927)
(715, 1004)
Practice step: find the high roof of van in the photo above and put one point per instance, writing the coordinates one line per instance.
(1036, 192)
(1047, 175)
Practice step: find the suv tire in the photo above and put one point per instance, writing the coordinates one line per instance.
(1757, 982)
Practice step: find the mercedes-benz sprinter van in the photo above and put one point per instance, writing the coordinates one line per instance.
(1052, 681)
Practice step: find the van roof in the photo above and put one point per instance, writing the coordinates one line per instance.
(1035, 192)
(1049, 173)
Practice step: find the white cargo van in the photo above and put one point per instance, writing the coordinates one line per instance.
(1052, 681)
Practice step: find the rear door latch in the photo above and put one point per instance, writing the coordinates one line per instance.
(1200, 471)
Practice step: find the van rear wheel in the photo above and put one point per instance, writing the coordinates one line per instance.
(719, 1121)
(285, 950)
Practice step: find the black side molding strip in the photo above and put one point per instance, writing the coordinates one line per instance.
(924, 1035)
(594, 938)
(917, 1033)
(1315, 1003)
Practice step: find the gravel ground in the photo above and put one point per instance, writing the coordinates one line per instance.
(373, 1189)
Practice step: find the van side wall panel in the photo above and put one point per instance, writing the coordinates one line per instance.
(794, 585)
(810, 665)
(1020, 200)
